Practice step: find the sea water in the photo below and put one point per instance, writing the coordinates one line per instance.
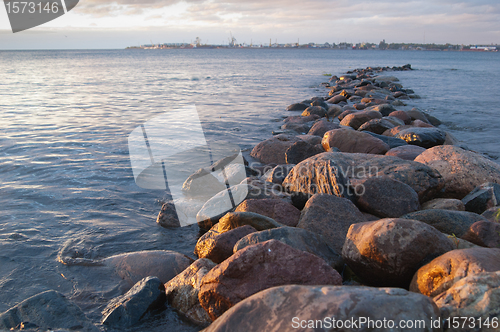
(66, 183)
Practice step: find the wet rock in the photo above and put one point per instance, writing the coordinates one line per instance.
(182, 291)
(272, 150)
(476, 298)
(330, 216)
(388, 252)
(442, 272)
(297, 238)
(356, 120)
(233, 220)
(484, 233)
(421, 124)
(315, 110)
(134, 266)
(334, 111)
(385, 197)
(220, 247)
(258, 267)
(297, 107)
(492, 214)
(202, 184)
(300, 151)
(415, 114)
(377, 126)
(392, 142)
(279, 307)
(446, 221)
(337, 99)
(311, 139)
(44, 311)
(127, 310)
(345, 113)
(299, 119)
(424, 137)
(282, 212)
(352, 141)
(386, 79)
(426, 181)
(444, 204)
(461, 170)
(168, 216)
(406, 152)
(319, 174)
(384, 109)
(321, 127)
(278, 173)
(394, 131)
(482, 198)
(297, 127)
(401, 115)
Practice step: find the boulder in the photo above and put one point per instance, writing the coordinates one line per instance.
(315, 110)
(300, 151)
(311, 139)
(282, 212)
(385, 197)
(278, 173)
(462, 170)
(394, 131)
(446, 221)
(492, 214)
(295, 308)
(272, 150)
(182, 291)
(233, 220)
(415, 114)
(330, 216)
(321, 127)
(377, 126)
(406, 152)
(322, 173)
(127, 310)
(219, 247)
(392, 142)
(299, 119)
(482, 198)
(202, 184)
(168, 216)
(388, 252)
(444, 204)
(297, 107)
(46, 311)
(258, 267)
(426, 181)
(401, 115)
(337, 99)
(134, 266)
(384, 109)
(352, 141)
(442, 272)
(421, 124)
(296, 127)
(423, 137)
(297, 238)
(355, 120)
(484, 233)
(334, 111)
(475, 298)
(395, 121)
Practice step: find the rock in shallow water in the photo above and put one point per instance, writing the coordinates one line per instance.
(388, 252)
(423, 137)
(47, 310)
(272, 150)
(300, 308)
(257, 267)
(442, 272)
(127, 310)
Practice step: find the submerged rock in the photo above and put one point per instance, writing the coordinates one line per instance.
(294, 307)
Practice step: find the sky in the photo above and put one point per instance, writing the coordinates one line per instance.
(98, 24)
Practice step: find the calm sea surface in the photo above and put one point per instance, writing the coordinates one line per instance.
(65, 174)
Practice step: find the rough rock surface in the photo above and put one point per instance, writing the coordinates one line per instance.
(444, 204)
(482, 198)
(331, 217)
(352, 141)
(277, 174)
(446, 221)
(300, 151)
(385, 197)
(461, 170)
(282, 212)
(388, 252)
(484, 233)
(321, 127)
(272, 150)
(257, 267)
(168, 216)
(182, 291)
(47, 310)
(297, 238)
(377, 126)
(444, 271)
(492, 214)
(285, 308)
(127, 310)
(356, 120)
(406, 152)
(475, 297)
(233, 220)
